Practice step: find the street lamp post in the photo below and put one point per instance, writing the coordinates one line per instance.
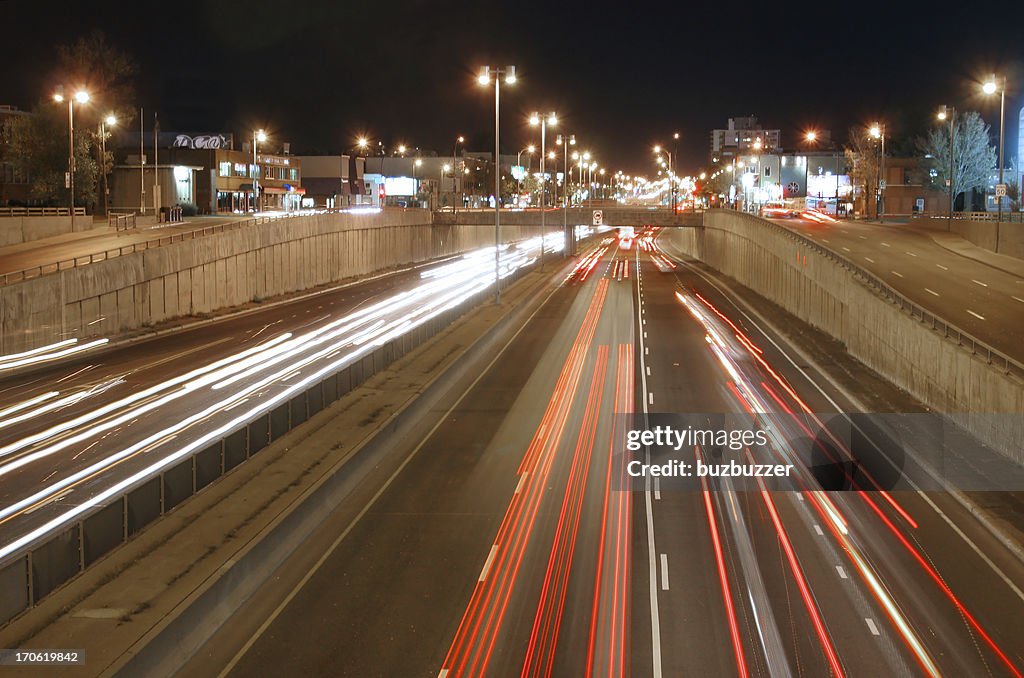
(455, 149)
(484, 78)
(949, 113)
(82, 97)
(258, 136)
(658, 151)
(416, 164)
(878, 132)
(991, 87)
(543, 121)
(529, 149)
(565, 141)
(108, 121)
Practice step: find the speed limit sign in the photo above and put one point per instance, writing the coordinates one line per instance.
(598, 217)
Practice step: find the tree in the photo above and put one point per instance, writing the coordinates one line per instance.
(862, 156)
(974, 157)
(38, 146)
(103, 70)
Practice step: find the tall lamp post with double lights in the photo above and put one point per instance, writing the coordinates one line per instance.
(877, 131)
(79, 97)
(484, 78)
(565, 141)
(991, 87)
(258, 137)
(948, 114)
(543, 121)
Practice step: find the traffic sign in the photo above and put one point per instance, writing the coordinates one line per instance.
(1000, 190)
(598, 217)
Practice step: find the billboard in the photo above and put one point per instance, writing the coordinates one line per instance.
(825, 185)
(400, 186)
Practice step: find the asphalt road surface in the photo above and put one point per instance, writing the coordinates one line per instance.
(506, 545)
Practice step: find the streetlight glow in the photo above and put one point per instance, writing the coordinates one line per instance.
(990, 87)
(110, 120)
(811, 136)
(261, 136)
(82, 97)
(875, 131)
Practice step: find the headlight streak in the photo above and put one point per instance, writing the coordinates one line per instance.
(466, 278)
(52, 355)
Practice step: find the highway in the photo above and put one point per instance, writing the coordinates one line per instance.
(981, 300)
(80, 428)
(506, 546)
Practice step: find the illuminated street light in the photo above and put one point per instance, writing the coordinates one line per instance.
(544, 120)
(877, 131)
(484, 79)
(811, 136)
(401, 150)
(81, 97)
(258, 137)
(949, 113)
(109, 121)
(991, 87)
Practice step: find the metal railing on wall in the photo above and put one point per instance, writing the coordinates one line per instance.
(947, 329)
(39, 212)
(103, 255)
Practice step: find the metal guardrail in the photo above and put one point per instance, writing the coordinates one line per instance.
(947, 329)
(1008, 217)
(86, 259)
(39, 212)
(121, 222)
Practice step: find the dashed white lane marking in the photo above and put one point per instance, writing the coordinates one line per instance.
(824, 240)
(657, 488)
(841, 571)
(862, 237)
(976, 315)
(897, 274)
(817, 528)
(664, 572)
(646, 352)
(645, 335)
(942, 267)
(978, 282)
(522, 479)
(910, 253)
(869, 259)
(650, 398)
(885, 244)
(648, 370)
(487, 563)
(846, 249)
(1018, 299)
(800, 497)
(871, 626)
(931, 292)
(443, 674)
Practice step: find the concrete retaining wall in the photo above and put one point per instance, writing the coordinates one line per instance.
(224, 270)
(820, 291)
(1010, 240)
(14, 230)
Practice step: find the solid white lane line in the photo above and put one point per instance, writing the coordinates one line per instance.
(897, 274)
(978, 282)
(942, 267)
(817, 528)
(664, 572)
(487, 563)
(872, 627)
(870, 259)
(931, 291)
(976, 315)
(841, 571)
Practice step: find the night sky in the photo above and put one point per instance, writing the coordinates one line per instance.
(622, 76)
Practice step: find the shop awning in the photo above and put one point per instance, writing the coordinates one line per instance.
(272, 190)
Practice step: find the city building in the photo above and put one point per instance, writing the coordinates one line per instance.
(739, 138)
(333, 180)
